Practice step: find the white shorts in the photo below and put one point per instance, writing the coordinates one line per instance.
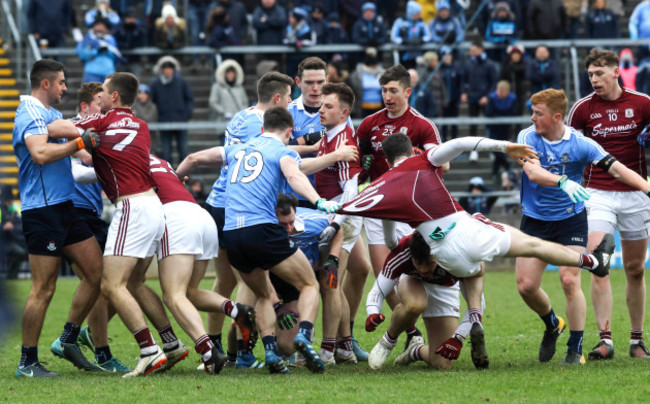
(351, 231)
(469, 242)
(375, 230)
(629, 212)
(442, 301)
(137, 223)
(189, 230)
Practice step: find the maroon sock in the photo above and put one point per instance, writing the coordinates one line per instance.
(345, 343)
(636, 334)
(328, 344)
(586, 261)
(411, 330)
(203, 344)
(227, 307)
(144, 338)
(167, 335)
(606, 334)
(475, 316)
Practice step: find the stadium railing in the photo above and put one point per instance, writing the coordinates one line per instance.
(9, 30)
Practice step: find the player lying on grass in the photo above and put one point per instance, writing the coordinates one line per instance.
(413, 192)
(426, 289)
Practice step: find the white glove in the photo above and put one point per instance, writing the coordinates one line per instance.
(575, 191)
(327, 206)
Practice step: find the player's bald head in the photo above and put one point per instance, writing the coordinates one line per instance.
(395, 146)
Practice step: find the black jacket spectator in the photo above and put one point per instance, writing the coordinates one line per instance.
(129, 33)
(270, 23)
(513, 70)
(49, 20)
(237, 14)
(220, 32)
(546, 19)
(602, 23)
(370, 30)
(335, 33)
(542, 71)
(486, 13)
(479, 78)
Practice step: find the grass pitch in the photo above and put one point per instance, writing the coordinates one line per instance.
(513, 333)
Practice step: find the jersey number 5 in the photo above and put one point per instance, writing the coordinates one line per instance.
(130, 135)
(252, 162)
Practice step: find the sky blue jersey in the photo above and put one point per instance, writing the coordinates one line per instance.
(40, 185)
(254, 181)
(88, 196)
(244, 126)
(568, 156)
(310, 223)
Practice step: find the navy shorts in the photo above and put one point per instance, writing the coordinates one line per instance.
(96, 225)
(50, 228)
(219, 216)
(570, 231)
(285, 291)
(260, 246)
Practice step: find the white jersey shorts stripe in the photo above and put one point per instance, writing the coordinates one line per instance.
(190, 230)
(137, 223)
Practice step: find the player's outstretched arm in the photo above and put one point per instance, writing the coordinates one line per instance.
(375, 301)
(343, 153)
(301, 185)
(62, 129)
(629, 177)
(44, 152)
(453, 148)
(539, 175)
(213, 157)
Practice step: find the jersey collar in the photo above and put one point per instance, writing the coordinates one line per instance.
(33, 100)
(271, 136)
(336, 130)
(565, 136)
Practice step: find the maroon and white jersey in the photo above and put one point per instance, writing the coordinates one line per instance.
(378, 126)
(122, 159)
(614, 125)
(412, 192)
(399, 262)
(328, 181)
(169, 187)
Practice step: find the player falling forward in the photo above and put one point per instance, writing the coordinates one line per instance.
(413, 192)
(558, 214)
(254, 240)
(614, 117)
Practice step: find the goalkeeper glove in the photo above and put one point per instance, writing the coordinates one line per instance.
(575, 191)
(373, 321)
(450, 349)
(327, 206)
(286, 318)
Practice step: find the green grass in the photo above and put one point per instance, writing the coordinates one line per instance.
(513, 334)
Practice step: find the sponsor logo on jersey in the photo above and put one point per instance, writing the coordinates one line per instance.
(374, 128)
(578, 239)
(565, 158)
(51, 246)
(599, 130)
(629, 113)
(596, 115)
(124, 123)
(403, 129)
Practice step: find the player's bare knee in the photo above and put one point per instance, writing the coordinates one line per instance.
(415, 305)
(526, 287)
(570, 282)
(43, 292)
(634, 271)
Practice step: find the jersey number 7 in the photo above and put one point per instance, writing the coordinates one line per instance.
(130, 135)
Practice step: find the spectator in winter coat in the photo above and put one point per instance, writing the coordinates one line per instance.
(369, 30)
(270, 22)
(298, 32)
(104, 11)
(642, 80)
(130, 34)
(49, 20)
(479, 80)
(428, 66)
(546, 19)
(627, 69)
(502, 27)
(513, 70)
(488, 10)
(365, 83)
(501, 103)
(446, 28)
(318, 23)
(99, 52)
(639, 26)
(421, 96)
(575, 9)
(228, 95)
(219, 31)
(335, 34)
(452, 78)
(477, 202)
(175, 102)
(237, 14)
(170, 29)
(601, 22)
(410, 31)
(542, 71)
(144, 108)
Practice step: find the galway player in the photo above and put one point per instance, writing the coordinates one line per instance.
(558, 215)
(397, 117)
(50, 225)
(256, 243)
(423, 288)
(614, 117)
(413, 192)
(122, 167)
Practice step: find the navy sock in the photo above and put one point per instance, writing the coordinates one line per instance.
(70, 333)
(240, 348)
(103, 354)
(352, 329)
(307, 329)
(575, 341)
(215, 338)
(28, 355)
(271, 344)
(550, 320)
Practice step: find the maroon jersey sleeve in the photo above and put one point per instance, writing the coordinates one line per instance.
(169, 187)
(426, 133)
(399, 261)
(578, 113)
